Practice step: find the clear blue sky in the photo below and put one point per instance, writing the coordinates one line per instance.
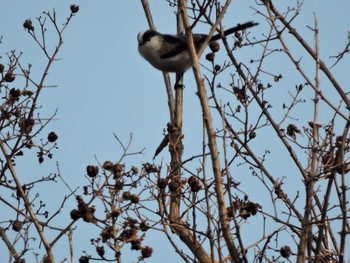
(105, 87)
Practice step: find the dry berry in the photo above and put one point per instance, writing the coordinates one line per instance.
(74, 9)
(2, 67)
(285, 251)
(15, 93)
(162, 183)
(52, 137)
(75, 214)
(126, 195)
(92, 171)
(9, 76)
(17, 225)
(118, 170)
(100, 251)
(28, 25)
(115, 213)
(136, 244)
(146, 252)
(134, 199)
(144, 226)
(83, 259)
(210, 57)
(108, 165)
(134, 170)
(214, 46)
(217, 68)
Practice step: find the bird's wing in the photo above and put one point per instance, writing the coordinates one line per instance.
(179, 44)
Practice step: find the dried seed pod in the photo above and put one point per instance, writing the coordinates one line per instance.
(146, 251)
(217, 67)
(83, 259)
(162, 183)
(28, 25)
(210, 57)
(134, 199)
(144, 226)
(52, 137)
(134, 170)
(74, 9)
(100, 251)
(17, 225)
(92, 171)
(9, 76)
(214, 46)
(285, 251)
(108, 165)
(75, 214)
(136, 244)
(126, 195)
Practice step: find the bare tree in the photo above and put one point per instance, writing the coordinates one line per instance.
(267, 185)
(21, 127)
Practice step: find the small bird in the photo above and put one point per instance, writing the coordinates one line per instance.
(169, 53)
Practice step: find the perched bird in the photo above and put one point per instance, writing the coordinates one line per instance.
(169, 53)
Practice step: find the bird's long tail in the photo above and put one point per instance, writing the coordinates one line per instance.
(235, 29)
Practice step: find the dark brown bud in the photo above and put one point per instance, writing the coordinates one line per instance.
(162, 183)
(118, 170)
(9, 76)
(52, 137)
(126, 195)
(100, 251)
(28, 25)
(74, 9)
(252, 135)
(196, 186)
(285, 251)
(15, 94)
(83, 259)
(115, 213)
(217, 68)
(260, 86)
(108, 165)
(17, 225)
(144, 226)
(92, 171)
(2, 67)
(292, 130)
(89, 217)
(119, 185)
(214, 46)
(210, 57)
(134, 170)
(136, 244)
(106, 234)
(146, 252)
(75, 214)
(134, 199)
